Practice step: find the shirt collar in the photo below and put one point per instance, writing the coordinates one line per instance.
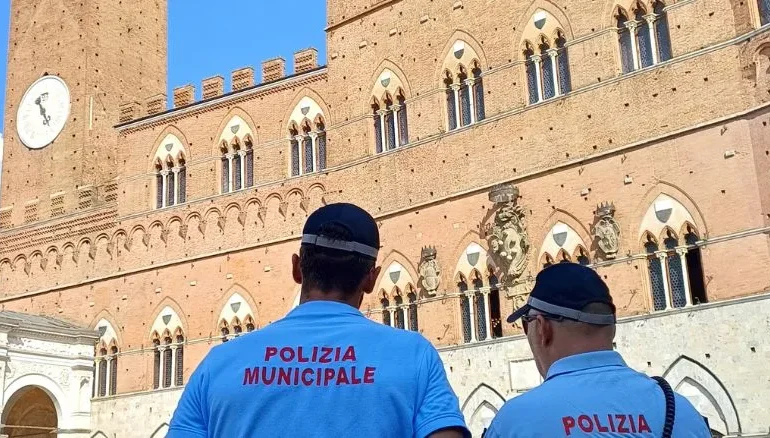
(584, 361)
(321, 307)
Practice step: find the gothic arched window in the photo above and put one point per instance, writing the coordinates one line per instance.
(179, 380)
(645, 40)
(465, 97)
(764, 11)
(413, 320)
(156, 363)
(547, 69)
(167, 362)
(385, 311)
(103, 366)
(170, 173)
(400, 322)
(465, 310)
(113, 371)
(307, 138)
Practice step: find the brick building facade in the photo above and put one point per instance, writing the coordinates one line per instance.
(487, 141)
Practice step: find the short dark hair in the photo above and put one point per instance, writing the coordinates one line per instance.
(328, 269)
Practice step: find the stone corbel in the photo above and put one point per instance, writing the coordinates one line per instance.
(146, 239)
(283, 207)
(262, 213)
(242, 218)
(76, 255)
(202, 227)
(164, 235)
(304, 203)
(27, 267)
(183, 231)
(92, 252)
(221, 222)
(127, 244)
(43, 263)
(59, 259)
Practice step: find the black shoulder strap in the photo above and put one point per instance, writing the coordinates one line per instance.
(668, 393)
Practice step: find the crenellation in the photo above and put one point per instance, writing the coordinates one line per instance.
(184, 95)
(305, 60)
(213, 87)
(273, 69)
(129, 111)
(242, 78)
(156, 103)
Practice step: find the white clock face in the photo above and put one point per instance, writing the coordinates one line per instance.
(43, 112)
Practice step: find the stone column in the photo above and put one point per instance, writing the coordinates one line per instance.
(397, 124)
(314, 147)
(458, 104)
(242, 154)
(666, 290)
(487, 317)
(469, 83)
(96, 376)
(392, 311)
(537, 60)
(164, 179)
(384, 129)
(650, 19)
(404, 309)
(685, 275)
(631, 25)
(162, 370)
(176, 184)
(471, 309)
(230, 158)
(300, 153)
(109, 376)
(173, 365)
(555, 71)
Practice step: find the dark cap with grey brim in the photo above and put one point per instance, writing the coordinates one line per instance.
(565, 289)
(362, 228)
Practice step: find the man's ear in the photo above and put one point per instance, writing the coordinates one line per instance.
(371, 280)
(545, 330)
(296, 272)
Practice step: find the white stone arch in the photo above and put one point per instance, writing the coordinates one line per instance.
(461, 55)
(480, 407)
(388, 83)
(236, 307)
(170, 150)
(161, 431)
(473, 258)
(396, 276)
(306, 110)
(664, 212)
(167, 320)
(702, 388)
(49, 386)
(236, 129)
(107, 334)
(562, 237)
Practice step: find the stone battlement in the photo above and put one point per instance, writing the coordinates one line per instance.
(274, 69)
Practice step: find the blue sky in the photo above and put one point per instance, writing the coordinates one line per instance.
(210, 37)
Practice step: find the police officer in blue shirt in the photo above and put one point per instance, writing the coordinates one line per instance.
(324, 370)
(588, 390)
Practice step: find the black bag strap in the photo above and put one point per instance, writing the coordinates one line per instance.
(668, 393)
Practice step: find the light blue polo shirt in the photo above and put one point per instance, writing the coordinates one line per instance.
(594, 395)
(324, 370)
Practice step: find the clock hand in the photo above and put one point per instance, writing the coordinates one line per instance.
(46, 118)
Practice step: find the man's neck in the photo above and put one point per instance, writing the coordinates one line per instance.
(332, 296)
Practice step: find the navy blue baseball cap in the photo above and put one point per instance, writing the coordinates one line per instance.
(364, 233)
(564, 290)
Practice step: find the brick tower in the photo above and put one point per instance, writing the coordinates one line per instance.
(70, 64)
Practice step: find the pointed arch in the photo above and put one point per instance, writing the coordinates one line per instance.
(167, 307)
(666, 211)
(235, 302)
(398, 80)
(170, 135)
(484, 401)
(108, 330)
(554, 19)
(677, 193)
(317, 105)
(236, 124)
(472, 50)
(706, 392)
(396, 275)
